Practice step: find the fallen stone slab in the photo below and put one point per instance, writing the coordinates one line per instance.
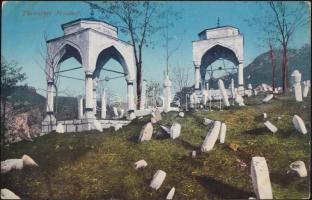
(270, 126)
(268, 98)
(222, 133)
(299, 124)
(146, 132)
(260, 178)
(175, 130)
(299, 168)
(158, 179)
(207, 121)
(211, 137)
(8, 194)
(170, 194)
(19, 164)
(140, 164)
(166, 129)
(60, 128)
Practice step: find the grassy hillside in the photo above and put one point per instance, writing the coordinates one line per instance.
(97, 165)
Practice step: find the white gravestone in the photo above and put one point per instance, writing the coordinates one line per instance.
(181, 114)
(299, 124)
(222, 133)
(232, 88)
(239, 100)
(249, 86)
(80, 107)
(8, 194)
(158, 179)
(270, 126)
(175, 130)
(268, 98)
(146, 132)
(299, 168)
(122, 113)
(211, 137)
(260, 178)
(306, 87)
(140, 164)
(223, 93)
(170, 194)
(115, 112)
(18, 164)
(265, 115)
(60, 128)
(193, 154)
(296, 78)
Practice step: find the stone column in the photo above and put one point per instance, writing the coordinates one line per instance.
(240, 79)
(89, 97)
(50, 118)
(103, 105)
(197, 77)
(232, 88)
(167, 94)
(130, 97)
(94, 95)
(80, 107)
(143, 95)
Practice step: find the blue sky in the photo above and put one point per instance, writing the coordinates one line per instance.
(22, 37)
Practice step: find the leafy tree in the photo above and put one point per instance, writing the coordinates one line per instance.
(11, 75)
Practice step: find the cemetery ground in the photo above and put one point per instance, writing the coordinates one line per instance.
(94, 165)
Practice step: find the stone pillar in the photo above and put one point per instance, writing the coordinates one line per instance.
(296, 79)
(94, 96)
(89, 97)
(232, 88)
(50, 96)
(167, 94)
(103, 105)
(80, 107)
(143, 95)
(240, 73)
(130, 97)
(197, 77)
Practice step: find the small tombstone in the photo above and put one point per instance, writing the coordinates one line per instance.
(8, 194)
(157, 115)
(207, 121)
(211, 137)
(181, 114)
(158, 179)
(265, 115)
(60, 128)
(268, 98)
(249, 86)
(299, 168)
(122, 112)
(170, 194)
(255, 92)
(260, 178)
(117, 127)
(239, 100)
(140, 164)
(296, 78)
(270, 126)
(299, 124)
(175, 130)
(115, 112)
(146, 132)
(97, 125)
(193, 154)
(222, 133)
(223, 93)
(306, 87)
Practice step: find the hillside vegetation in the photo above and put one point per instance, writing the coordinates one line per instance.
(94, 165)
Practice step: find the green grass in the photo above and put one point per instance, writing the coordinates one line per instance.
(93, 165)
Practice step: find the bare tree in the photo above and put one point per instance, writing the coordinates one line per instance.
(153, 90)
(285, 21)
(180, 77)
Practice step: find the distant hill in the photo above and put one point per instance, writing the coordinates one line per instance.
(260, 70)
